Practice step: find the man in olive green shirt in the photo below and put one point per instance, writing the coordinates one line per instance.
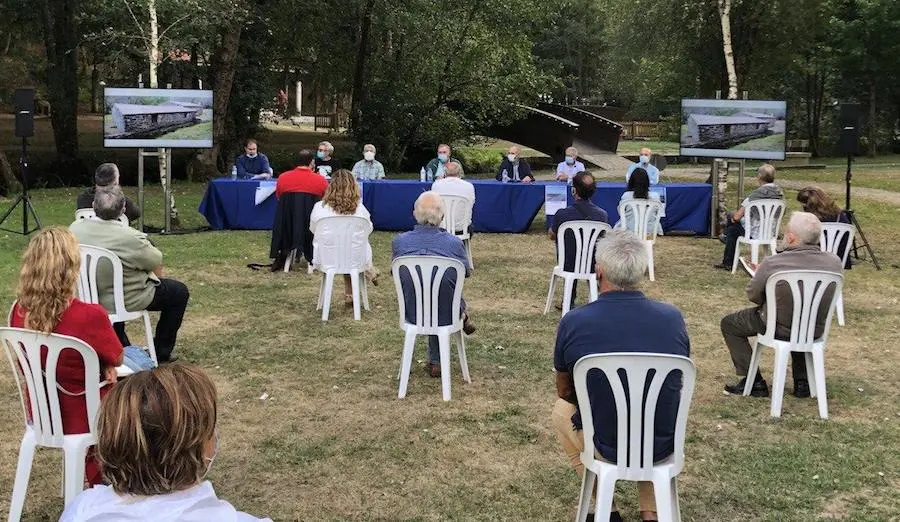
(141, 270)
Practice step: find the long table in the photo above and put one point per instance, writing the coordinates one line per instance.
(499, 207)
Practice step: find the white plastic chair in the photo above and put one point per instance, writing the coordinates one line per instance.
(426, 273)
(88, 213)
(808, 288)
(586, 234)
(88, 291)
(644, 224)
(832, 237)
(635, 430)
(341, 246)
(458, 219)
(45, 428)
(763, 218)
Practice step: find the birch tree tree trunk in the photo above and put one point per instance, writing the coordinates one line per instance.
(153, 44)
(725, 18)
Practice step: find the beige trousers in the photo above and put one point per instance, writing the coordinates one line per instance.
(572, 442)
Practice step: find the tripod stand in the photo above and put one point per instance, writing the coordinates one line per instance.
(24, 199)
(863, 243)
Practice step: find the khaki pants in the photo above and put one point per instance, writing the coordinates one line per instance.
(572, 442)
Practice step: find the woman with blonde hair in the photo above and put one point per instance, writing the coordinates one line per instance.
(157, 440)
(342, 198)
(46, 302)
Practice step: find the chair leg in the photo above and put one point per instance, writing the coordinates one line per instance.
(329, 285)
(148, 334)
(650, 270)
(781, 364)
(840, 308)
(321, 293)
(444, 343)
(606, 489)
(662, 491)
(74, 474)
(289, 261)
(818, 357)
(461, 351)
(676, 505)
(587, 490)
(364, 288)
(409, 344)
(737, 254)
(469, 253)
(752, 370)
(354, 286)
(592, 282)
(550, 293)
(810, 373)
(23, 473)
(568, 283)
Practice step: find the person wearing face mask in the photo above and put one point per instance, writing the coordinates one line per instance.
(570, 166)
(324, 163)
(644, 163)
(436, 166)
(513, 168)
(368, 168)
(252, 163)
(156, 442)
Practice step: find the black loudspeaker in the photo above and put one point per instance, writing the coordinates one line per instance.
(24, 104)
(848, 143)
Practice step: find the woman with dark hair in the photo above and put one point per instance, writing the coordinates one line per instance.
(638, 188)
(817, 202)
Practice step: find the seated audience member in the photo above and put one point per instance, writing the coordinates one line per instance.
(513, 168)
(638, 188)
(570, 166)
(817, 202)
(801, 239)
(304, 188)
(252, 163)
(342, 198)
(142, 268)
(429, 239)
(46, 302)
(107, 175)
(452, 185)
(368, 168)
(325, 165)
(157, 440)
(734, 229)
(643, 162)
(617, 322)
(436, 166)
(583, 188)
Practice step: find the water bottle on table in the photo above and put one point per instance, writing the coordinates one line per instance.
(233, 172)
(505, 176)
(423, 175)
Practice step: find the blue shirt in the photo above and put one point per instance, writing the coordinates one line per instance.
(429, 240)
(625, 321)
(247, 166)
(581, 209)
(652, 172)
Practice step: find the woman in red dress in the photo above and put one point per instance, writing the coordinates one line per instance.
(46, 302)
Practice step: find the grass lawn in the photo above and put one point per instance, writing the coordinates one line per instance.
(199, 131)
(774, 142)
(332, 442)
(633, 147)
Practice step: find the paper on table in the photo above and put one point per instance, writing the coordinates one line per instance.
(555, 198)
(662, 199)
(264, 190)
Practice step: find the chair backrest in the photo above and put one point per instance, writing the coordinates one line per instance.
(586, 233)
(88, 213)
(640, 216)
(426, 274)
(34, 380)
(763, 218)
(88, 280)
(340, 242)
(635, 410)
(808, 288)
(837, 238)
(457, 214)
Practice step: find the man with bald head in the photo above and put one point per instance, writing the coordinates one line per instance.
(514, 168)
(428, 238)
(644, 163)
(802, 252)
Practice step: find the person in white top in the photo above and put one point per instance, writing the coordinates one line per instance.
(156, 441)
(567, 169)
(638, 188)
(452, 185)
(342, 198)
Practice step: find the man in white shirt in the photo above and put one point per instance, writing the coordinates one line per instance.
(644, 163)
(567, 169)
(452, 185)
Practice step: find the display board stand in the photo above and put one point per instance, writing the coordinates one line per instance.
(164, 156)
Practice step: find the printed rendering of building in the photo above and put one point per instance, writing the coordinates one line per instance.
(708, 131)
(134, 119)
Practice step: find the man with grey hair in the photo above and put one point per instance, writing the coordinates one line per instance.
(428, 238)
(453, 185)
(368, 168)
(802, 252)
(106, 175)
(765, 176)
(617, 322)
(325, 165)
(142, 281)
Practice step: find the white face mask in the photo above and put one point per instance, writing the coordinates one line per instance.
(645, 159)
(213, 458)
(570, 160)
(369, 155)
(251, 154)
(511, 158)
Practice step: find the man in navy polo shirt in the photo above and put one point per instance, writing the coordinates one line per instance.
(622, 319)
(252, 163)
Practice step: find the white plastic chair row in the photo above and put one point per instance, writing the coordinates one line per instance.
(586, 233)
(808, 289)
(341, 246)
(644, 223)
(832, 237)
(458, 220)
(635, 430)
(426, 274)
(88, 213)
(23, 350)
(763, 219)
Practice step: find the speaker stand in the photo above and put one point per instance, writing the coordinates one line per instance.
(24, 199)
(863, 242)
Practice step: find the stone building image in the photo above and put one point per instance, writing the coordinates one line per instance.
(708, 131)
(146, 120)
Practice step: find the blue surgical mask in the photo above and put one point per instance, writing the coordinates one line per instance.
(443, 157)
(320, 154)
(645, 159)
(570, 160)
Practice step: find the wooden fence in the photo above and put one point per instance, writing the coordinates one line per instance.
(641, 129)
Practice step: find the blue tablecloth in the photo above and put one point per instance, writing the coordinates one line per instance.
(499, 207)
